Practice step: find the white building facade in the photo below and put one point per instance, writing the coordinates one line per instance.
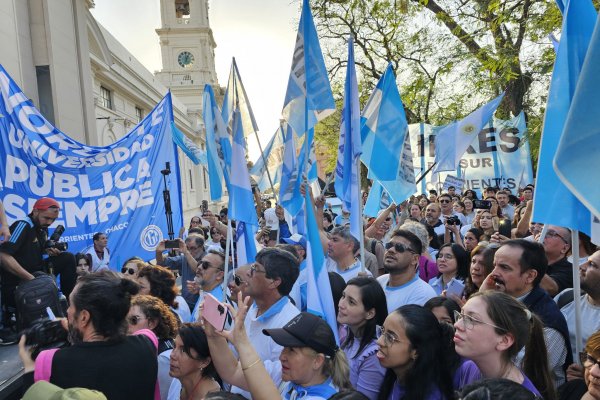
(90, 87)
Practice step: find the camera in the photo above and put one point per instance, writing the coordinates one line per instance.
(172, 244)
(482, 204)
(45, 334)
(53, 241)
(453, 220)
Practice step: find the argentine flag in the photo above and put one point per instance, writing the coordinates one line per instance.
(319, 297)
(218, 147)
(347, 185)
(553, 202)
(308, 98)
(383, 127)
(454, 139)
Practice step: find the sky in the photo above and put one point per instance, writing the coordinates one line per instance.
(260, 34)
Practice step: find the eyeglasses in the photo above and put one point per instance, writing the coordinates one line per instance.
(469, 322)
(388, 338)
(399, 247)
(552, 233)
(587, 360)
(238, 281)
(129, 271)
(134, 319)
(206, 265)
(254, 269)
(445, 256)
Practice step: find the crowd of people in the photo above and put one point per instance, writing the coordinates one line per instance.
(458, 297)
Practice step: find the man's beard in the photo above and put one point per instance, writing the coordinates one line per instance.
(75, 335)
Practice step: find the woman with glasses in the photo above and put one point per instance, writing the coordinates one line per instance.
(160, 282)
(362, 308)
(580, 384)
(191, 365)
(131, 267)
(214, 243)
(84, 262)
(453, 265)
(148, 312)
(310, 366)
(195, 223)
(419, 357)
(238, 281)
(491, 330)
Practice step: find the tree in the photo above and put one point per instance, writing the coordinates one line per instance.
(450, 56)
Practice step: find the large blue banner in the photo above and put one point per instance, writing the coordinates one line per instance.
(114, 189)
(499, 156)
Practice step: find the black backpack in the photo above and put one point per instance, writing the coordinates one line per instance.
(33, 297)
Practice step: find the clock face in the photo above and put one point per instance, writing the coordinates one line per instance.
(185, 59)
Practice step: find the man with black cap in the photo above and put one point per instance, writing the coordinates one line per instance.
(23, 255)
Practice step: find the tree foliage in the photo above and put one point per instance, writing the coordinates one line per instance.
(450, 56)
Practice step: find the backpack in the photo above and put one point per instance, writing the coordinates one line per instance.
(33, 297)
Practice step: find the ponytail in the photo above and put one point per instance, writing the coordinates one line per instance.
(338, 369)
(535, 362)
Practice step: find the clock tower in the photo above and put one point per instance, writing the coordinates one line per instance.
(188, 51)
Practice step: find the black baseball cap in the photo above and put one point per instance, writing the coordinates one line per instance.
(306, 330)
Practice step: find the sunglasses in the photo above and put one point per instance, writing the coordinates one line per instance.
(134, 319)
(399, 247)
(206, 265)
(129, 271)
(445, 201)
(238, 281)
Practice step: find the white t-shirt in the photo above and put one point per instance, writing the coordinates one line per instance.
(590, 319)
(347, 274)
(415, 291)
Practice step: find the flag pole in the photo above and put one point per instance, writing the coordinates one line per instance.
(425, 173)
(228, 246)
(576, 289)
(360, 220)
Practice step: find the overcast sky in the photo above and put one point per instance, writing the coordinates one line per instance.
(260, 34)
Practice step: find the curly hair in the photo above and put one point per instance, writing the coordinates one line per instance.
(162, 283)
(156, 310)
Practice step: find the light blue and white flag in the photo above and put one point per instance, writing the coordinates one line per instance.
(236, 98)
(241, 200)
(579, 146)
(383, 127)
(553, 202)
(347, 185)
(308, 98)
(452, 141)
(375, 200)
(245, 245)
(404, 185)
(273, 155)
(319, 297)
(191, 149)
(217, 144)
(289, 190)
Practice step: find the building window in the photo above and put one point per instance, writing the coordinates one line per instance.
(191, 179)
(139, 114)
(182, 9)
(204, 174)
(105, 98)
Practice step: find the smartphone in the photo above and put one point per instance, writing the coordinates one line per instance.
(214, 312)
(456, 290)
(172, 244)
(505, 228)
(482, 204)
